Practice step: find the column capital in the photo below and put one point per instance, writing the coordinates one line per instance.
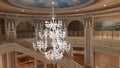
(87, 18)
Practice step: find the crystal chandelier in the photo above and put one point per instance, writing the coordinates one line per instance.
(51, 41)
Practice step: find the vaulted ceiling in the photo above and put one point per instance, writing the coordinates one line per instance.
(47, 3)
(41, 7)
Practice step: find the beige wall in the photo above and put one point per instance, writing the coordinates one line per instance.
(104, 60)
(104, 18)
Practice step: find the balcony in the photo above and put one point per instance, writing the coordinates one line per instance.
(107, 41)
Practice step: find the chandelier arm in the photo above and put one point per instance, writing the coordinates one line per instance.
(40, 49)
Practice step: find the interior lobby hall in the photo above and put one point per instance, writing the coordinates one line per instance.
(59, 33)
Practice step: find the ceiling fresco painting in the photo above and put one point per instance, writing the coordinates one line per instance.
(62, 7)
(47, 3)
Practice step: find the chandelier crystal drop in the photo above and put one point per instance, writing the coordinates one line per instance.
(51, 41)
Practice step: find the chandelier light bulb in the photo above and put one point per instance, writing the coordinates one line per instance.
(53, 2)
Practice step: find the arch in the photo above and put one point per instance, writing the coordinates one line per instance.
(25, 30)
(77, 19)
(19, 21)
(75, 28)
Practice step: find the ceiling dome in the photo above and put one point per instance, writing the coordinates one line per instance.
(45, 4)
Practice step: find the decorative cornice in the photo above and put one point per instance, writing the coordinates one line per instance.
(107, 12)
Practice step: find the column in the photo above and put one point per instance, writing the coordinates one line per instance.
(35, 62)
(45, 65)
(64, 25)
(119, 61)
(0, 28)
(4, 61)
(1, 63)
(37, 27)
(11, 60)
(6, 29)
(92, 51)
(10, 29)
(88, 46)
(58, 66)
(8, 60)
(14, 29)
(36, 34)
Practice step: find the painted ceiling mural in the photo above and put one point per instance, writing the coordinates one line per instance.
(47, 3)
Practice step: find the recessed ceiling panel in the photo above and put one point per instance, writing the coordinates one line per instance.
(47, 3)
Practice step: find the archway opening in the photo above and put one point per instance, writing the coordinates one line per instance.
(2, 30)
(2, 26)
(75, 28)
(25, 30)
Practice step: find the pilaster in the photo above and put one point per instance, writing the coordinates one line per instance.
(88, 40)
(0, 28)
(119, 61)
(1, 63)
(4, 61)
(38, 27)
(35, 62)
(45, 65)
(10, 29)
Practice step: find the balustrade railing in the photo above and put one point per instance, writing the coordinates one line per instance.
(75, 33)
(24, 35)
(76, 41)
(107, 35)
(115, 44)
